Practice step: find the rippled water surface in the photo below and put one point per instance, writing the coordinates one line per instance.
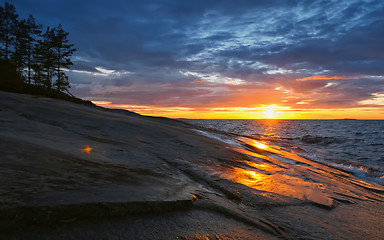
(353, 145)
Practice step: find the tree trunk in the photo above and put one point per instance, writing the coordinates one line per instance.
(29, 61)
(58, 70)
(6, 39)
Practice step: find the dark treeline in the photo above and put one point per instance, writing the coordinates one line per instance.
(30, 56)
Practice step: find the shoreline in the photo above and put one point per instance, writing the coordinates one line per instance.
(155, 178)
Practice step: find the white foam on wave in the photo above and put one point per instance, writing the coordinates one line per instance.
(360, 172)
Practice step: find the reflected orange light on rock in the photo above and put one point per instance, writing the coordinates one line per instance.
(280, 183)
(259, 145)
(87, 149)
(252, 179)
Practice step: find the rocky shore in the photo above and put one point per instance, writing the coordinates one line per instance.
(71, 171)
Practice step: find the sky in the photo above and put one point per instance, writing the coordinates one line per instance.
(225, 59)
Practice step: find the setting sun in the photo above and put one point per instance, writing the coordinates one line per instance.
(273, 111)
(270, 111)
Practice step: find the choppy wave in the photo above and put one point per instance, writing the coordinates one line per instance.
(320, 140)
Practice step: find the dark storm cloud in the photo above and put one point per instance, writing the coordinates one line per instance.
(270, 41)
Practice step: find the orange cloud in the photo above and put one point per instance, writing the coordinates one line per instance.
(325, 77)
(200, 81)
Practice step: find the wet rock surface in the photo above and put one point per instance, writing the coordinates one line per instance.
(154, 178)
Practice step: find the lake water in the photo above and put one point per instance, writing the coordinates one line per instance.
(356, 146)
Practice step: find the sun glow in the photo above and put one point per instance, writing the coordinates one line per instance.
(270, 111)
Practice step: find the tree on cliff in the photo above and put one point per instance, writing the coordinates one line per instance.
(53, 53)
(8, 26)
(26, 53)
(26, 41)
(10, 77)
(19, 56)
(63, 50)
(44, 59)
